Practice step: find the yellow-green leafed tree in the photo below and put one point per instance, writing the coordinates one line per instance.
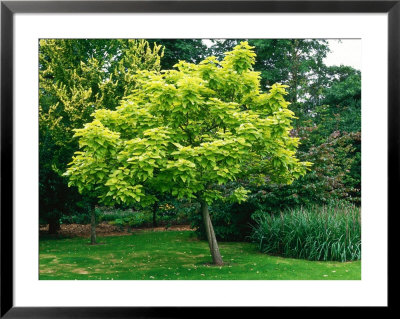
(188, 132)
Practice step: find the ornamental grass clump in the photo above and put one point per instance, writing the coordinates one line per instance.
(329, 232)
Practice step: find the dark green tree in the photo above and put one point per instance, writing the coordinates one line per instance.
(175, 50)
(220, 46)
(341, 102)
(297, 63)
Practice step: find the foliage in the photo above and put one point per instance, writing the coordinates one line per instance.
(106, 214)
(174, 212)
(336, 131)
(136, 219)
(331, 232)
(335, 175)
(167, 215)
(220, 46)
(188, 132)
(175, 50)
(331, 140)
(76, 77)
(297, 63)
(81, 218)
(344, 87)
(340, 108)
(175, 255)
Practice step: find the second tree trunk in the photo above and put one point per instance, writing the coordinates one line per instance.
(93, 227)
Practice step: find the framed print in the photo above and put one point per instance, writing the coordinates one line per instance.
(161, 155)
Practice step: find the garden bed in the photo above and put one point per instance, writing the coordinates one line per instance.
(105, 229)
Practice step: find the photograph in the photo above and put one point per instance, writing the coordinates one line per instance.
(199, 159)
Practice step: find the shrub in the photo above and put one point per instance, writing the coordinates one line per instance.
(83, 218)
(173, 212)
(335, 175)
(107, 214)
(168, 213)
(329, 232)
(136, 219)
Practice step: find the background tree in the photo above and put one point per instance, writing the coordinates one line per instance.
(339, 118)
(76, 77)
(175, 50)
(219, 47)
(340, 107)
(188, 132)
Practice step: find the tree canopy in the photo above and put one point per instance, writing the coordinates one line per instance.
(188, 132)
(199, 126)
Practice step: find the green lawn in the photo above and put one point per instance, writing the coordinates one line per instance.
(175, 255)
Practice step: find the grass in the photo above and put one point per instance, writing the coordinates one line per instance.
(175, 255)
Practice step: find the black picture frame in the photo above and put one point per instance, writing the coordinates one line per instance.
(9, 8)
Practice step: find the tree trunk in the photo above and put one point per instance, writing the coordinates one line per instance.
(212, 241)
(93, 227)
(54, 226)
(155, 208)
